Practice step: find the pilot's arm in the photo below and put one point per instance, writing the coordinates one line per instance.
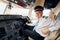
(55, 27)
(33, 23)
(51, 29)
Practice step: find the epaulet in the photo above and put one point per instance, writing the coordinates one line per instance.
(45, 17)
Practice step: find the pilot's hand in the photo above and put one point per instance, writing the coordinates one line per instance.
(29, 21)
(45, 31)
(30, 24)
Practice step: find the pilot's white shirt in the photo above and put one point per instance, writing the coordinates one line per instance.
(43, 22)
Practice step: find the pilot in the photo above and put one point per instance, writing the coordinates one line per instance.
(30, 30)
(43, 26)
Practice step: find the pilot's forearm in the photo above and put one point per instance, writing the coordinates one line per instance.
(55, 27)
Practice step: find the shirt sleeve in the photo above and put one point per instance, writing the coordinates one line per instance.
(55, 27)
(33, 23)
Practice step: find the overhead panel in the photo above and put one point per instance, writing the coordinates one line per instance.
(23, 3)
(50, 3)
